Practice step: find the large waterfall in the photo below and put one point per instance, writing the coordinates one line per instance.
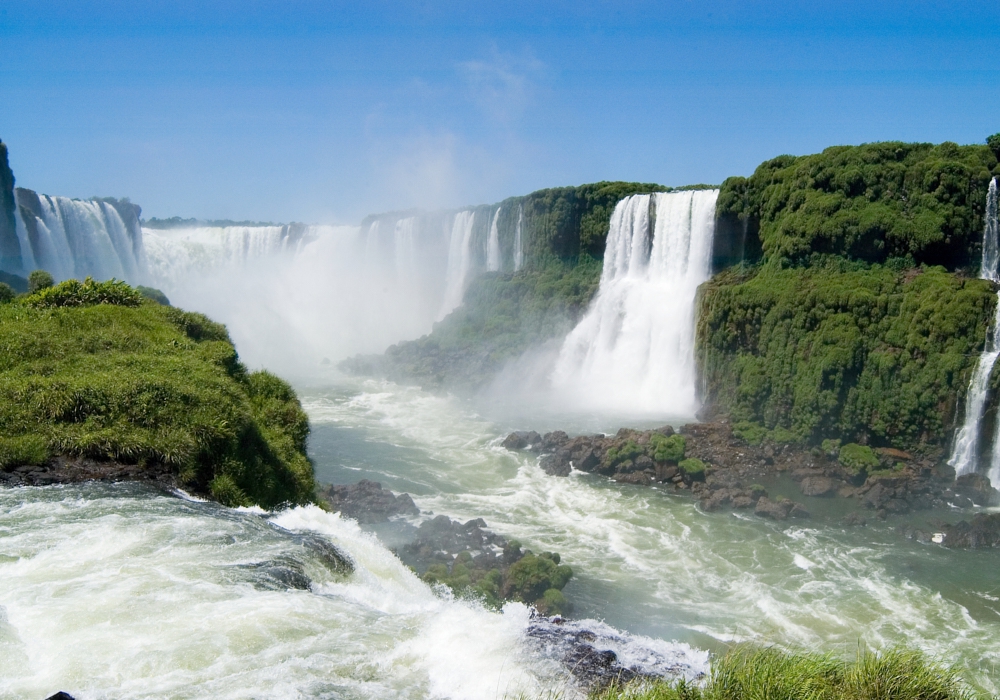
(176, 253)
(634, 349)
(493, 244)
(965, 456)
(79, 238)
(518, 251)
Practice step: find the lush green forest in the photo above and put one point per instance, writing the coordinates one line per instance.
(97, 369)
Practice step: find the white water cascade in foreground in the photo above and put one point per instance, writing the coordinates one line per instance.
(634, 349)
(965, 455)
(493, 245)
(78, 238)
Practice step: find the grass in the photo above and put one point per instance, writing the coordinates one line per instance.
(766, 673)
(97, 370)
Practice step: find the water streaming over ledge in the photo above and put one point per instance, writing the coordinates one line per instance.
(634, 349)
(965, 455)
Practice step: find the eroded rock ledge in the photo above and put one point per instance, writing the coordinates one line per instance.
(720, 469)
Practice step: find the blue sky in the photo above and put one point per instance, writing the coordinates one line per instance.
(324, 112)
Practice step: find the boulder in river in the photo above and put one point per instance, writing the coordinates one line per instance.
(367, 502)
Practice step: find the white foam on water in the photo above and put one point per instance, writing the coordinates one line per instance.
(114, 591)
(654, 564)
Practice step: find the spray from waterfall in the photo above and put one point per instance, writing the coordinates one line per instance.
(634, 349)
(965, 455)
(493, 245)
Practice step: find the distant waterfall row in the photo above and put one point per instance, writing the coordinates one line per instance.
(634, 349)
(174, 254)
(79, 238)
(965, 457)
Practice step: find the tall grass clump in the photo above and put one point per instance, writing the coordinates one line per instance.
(95, 369)
(765, 673)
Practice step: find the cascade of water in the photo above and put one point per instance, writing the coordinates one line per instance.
(518, 254)
(634, 349)
(27, 254)
(77, 238)
(175, 253)
(965, 455)
(459, 261)
(493, 245)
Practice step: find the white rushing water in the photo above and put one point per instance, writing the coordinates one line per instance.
(493, 245)
(459, 261)
(176, 254)
(518, 252)
(633, 351)
(965, 455)
(81, 238)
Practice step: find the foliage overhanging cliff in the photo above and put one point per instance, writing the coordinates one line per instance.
(94, 369)
(857, 318)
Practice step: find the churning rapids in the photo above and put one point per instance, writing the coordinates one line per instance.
(122, 591)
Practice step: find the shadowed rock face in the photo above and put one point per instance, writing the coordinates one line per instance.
(367, 502)
(982, 532)
(72, 470)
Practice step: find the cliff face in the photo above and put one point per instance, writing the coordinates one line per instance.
(10, 248)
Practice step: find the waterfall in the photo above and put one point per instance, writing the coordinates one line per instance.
(965, 455)
(175, 253)
(78, 238)
(634, 349)
(493, 245)
(518, 254)
(459, 261)
(404, 248)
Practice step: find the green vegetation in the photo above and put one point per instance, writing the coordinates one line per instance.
(858, 458)
(153, 294)
(7, 294)
(39, 280)
(692, 466)
(667, 449)
(533, 579)
(751, 673)
(629, 450)
(94, 369)
(874, 202)
(869, 353)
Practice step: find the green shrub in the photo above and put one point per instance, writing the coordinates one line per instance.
(667, 449)
(858, 458)
(831, 446)
(7, 293)
(749, 432)
(616, 455)
(692, 466)
(153, 295)
(23, 449)
(529, 578)
(39, 280)
(86, 293)
(763, 673)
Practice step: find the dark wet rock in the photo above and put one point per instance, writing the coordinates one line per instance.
(976, 488)
(73, 470)
(61, 695)
(469, 557)
(817, 486)
(982, 532)
(775, 510)
(367, 502)
(282, 573)
(798, 511)
(593, 653)
(637, 478)
(325, 552)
